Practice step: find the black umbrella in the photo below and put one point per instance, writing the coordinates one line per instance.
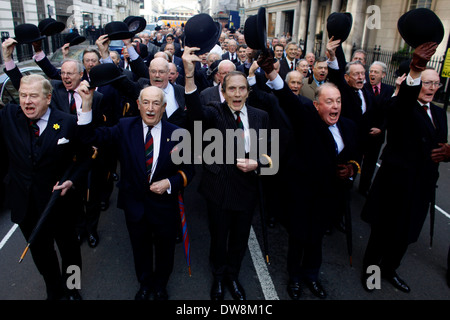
(263, 221)
(55, 195)
(432, 215)
(348, 225)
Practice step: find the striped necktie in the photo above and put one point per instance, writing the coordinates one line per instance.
(72, 104)
(34, 127)
(149, 152)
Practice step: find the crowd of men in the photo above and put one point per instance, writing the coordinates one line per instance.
(336, 113)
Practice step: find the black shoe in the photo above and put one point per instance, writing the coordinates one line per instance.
(161, 295)
(293, 290)
(73, 295)
(316, 288)
(397, 282)
(217, 291)
(142, 294)
(93, 240)
(236, 290)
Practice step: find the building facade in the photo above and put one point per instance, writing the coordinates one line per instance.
(74, 13)
(374, 21)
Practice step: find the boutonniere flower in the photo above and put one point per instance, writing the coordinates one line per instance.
(56, 126)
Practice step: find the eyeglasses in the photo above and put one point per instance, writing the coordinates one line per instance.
(69, 74)
(429, 84)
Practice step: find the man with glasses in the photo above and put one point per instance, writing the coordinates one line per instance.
(405, 184)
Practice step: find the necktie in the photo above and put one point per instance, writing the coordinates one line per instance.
(72, 104)
(149, 152)
(239, 123)
(376, 91)
(292, 65)
(34, 127)
(205, 65)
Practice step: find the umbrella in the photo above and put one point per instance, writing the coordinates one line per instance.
(45, 213)
(263, 221)
(432, 216)
(348, 225)
(186, 242)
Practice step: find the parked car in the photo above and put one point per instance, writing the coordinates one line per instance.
(9, 94)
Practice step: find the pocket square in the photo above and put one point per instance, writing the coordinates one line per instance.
(62, 141)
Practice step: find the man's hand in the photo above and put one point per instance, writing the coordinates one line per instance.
(7, 48)
(160, 187)
(65, 50)
(64, 187)
(374, 132)
(442, 153)
(103, 45)
(266, 61)
(246, 165)
(332, 45)
(87, 95)
(253, 68)
(345, 171)
(37, 46)
(422, 54)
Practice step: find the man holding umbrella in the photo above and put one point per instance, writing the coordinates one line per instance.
(41, 146)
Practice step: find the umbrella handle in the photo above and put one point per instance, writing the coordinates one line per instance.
(24, 253)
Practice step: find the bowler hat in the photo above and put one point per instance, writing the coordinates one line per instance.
(74, 38)
(420, 25)
(104, 74)
(339, 25)
(135, 24)
(255, 32)
(201, 31)
(27, 33)
(403, 68)
(212, 70)
(118, 30)
(49, 27)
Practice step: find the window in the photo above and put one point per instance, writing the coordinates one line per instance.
(420, 4)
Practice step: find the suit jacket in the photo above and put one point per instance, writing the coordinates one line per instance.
(285, 67)
(221, 183)
(407, 173)
(210, 94)
(134, 196)
(227, 56)
(33, 171)
(309, 88)
(314, 171)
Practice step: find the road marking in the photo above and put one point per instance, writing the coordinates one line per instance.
(261, 268)
(8, 235)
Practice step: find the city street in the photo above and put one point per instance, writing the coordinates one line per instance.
(108, 272)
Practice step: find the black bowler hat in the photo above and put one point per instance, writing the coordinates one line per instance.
(403, 68)
(27, 33)
(74, 38)
(212, 70)
(135, 24)
(201, 31)
(255, 32)
(104, 74)
(49, 27)
(420, 25)
(118, 30)
(339, 25)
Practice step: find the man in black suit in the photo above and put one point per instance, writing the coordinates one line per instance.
(289, 62)
(149, 185)
(381, 93)
(231, 53)
(230, 189)
(323, 172)
(41, 144)
(404, 186)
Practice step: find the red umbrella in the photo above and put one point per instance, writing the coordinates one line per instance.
(186, 242)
